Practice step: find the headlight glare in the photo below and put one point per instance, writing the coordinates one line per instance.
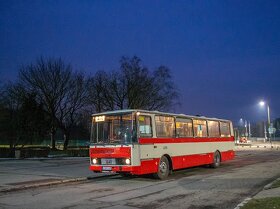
(94, 160)
(127, 161)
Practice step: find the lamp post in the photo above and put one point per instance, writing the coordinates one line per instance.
(246, 129)
(247, 126)
(249, 130)
(262, 103)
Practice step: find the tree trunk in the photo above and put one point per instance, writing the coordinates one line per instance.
(12, 148)
(52, 139)
(66, 140)
(11, 143)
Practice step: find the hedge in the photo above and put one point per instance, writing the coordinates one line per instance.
(30, 152)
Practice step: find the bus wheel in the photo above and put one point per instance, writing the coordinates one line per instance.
(217, 160)
(163, 168)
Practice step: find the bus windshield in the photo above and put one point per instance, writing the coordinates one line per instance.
(113, 129)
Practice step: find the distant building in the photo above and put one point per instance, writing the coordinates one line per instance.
(276, 124)
(257, 129)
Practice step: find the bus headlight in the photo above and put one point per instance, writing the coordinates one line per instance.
(94, 161)
(127, 161)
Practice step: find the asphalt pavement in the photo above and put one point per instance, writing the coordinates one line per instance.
(16, 174)
(20, 174)
(266, 192)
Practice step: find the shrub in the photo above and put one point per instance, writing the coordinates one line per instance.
(7, 152)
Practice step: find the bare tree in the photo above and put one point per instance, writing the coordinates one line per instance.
(62, 92)
(135, 87)
(118, 88)
(163, 94)
(100, 92)
(71, 108)
(50, 85)
(49, 79)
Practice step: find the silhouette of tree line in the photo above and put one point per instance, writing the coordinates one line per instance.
(49, 96)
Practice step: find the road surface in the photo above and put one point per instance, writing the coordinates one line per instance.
(194, 188)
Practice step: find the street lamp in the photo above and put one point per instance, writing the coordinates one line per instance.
(241, 121)
(247, 126)
(262, 103)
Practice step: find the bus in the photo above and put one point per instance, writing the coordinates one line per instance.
(137, 142)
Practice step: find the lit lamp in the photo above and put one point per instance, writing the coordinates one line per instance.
(247, 126)
(262, 103)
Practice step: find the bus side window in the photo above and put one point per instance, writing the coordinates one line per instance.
(225, 129)
(213, 128)
(184, 127)
(145, 126)
(165, 126)
(200, 128)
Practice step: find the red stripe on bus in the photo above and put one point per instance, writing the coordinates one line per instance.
(183, 140)
(187, 161)
(228, 155)
(110, 152)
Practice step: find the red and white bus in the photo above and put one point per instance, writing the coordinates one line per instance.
(150, 142)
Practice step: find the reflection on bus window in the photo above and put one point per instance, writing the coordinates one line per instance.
(213, 128)
(225, 130)
(200, 129)
(165, 126)
(145, 126)
(114, 129)
(184, 127)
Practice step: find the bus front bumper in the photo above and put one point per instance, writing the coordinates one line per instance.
(146, 167)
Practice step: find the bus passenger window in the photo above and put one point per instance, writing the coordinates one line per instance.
(145, 126)
(165, 126)
(200, 129)
(225, 130)
(184, 127)
(213, 128)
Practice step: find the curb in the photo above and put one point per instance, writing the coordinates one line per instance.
(268, 186)
(58, 182)
(44, 158)
(63, 181)
(246, 200)
(276, 147)
(243, 203)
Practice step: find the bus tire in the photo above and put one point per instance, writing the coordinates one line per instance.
(163, 168)
(216, 160)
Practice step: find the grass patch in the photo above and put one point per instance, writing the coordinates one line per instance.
(264, 203)
(275, 184)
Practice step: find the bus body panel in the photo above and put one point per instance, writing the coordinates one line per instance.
(145, 155)
(179, 149)
(150, 165)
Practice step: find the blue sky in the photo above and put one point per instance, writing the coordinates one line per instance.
(224, 55)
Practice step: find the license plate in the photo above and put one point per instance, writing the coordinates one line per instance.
(108, 161)
(107, 168)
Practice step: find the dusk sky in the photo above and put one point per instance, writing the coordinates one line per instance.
(224, 55)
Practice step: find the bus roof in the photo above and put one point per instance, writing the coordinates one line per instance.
(155, 112)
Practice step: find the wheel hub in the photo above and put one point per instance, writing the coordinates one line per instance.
(163, 167)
